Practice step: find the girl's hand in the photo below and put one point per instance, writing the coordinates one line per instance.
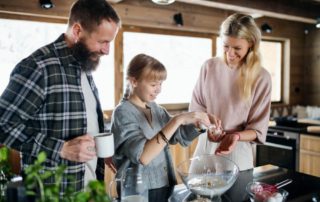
(216, 122)
(228, 143)
(196, 118)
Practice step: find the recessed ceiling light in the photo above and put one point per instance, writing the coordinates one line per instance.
(163, 2)
(46, 4)
(318, 23)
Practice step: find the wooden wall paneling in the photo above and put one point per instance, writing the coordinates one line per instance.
(32, 8)
(312, 71)
(293, 33)
(276, 9)
(160, 17)
(31, 18)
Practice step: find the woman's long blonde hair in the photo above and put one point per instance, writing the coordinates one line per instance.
(243, 27)
(143, 66)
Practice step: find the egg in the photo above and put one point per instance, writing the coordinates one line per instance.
(276, 197)
(272, 199)
(263, 195)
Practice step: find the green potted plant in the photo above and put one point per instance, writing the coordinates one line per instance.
(34, 181)
(94, 192)
(5, 171)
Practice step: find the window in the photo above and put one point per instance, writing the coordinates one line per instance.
(182, 56)
(16, 45)
(271, 52)
(104, 80)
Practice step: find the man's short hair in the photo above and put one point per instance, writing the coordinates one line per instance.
(90, 13)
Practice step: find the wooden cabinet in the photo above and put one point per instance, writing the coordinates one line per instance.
(310, 154)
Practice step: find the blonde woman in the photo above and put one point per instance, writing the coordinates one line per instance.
(237, 90)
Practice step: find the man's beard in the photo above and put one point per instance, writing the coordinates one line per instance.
(84, 56)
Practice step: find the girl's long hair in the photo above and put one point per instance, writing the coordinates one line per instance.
(243, 27)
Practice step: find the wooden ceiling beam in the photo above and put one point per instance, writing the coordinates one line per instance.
(274, 10)
(32, 8)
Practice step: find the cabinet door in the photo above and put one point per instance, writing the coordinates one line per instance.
(310, 155)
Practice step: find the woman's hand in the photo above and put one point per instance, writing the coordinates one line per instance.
(228, 143)
(215, 131)
(214, 120)
(215, 137)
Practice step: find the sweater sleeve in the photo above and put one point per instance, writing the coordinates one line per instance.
(184, 135)
(128, 136)
(198, 101)
(258, 118)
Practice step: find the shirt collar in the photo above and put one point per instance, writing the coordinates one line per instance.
(64, 52)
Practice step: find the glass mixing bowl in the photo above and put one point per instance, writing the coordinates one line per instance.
(208, 176)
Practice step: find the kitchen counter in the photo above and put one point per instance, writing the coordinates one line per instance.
(299, 130)
(303, 188)
(291, 124)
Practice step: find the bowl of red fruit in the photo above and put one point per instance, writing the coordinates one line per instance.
(263, 192)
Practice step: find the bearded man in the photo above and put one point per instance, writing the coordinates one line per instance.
(51, 103)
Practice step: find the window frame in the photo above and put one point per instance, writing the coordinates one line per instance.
(119, 74)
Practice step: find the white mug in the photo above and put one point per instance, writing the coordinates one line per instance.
(104, 144)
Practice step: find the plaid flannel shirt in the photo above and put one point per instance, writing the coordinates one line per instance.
(43, 106)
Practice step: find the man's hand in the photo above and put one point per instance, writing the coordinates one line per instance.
(79, 149)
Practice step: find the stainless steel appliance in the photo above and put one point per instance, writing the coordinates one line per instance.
(281, 149)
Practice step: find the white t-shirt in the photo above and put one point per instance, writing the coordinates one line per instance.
(92, 125)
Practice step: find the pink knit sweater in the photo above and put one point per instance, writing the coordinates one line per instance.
(216, 92)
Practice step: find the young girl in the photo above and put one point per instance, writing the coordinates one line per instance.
(143, 129)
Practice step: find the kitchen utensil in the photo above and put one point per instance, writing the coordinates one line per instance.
(208, 176)
(133, 187)
(271, 188)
